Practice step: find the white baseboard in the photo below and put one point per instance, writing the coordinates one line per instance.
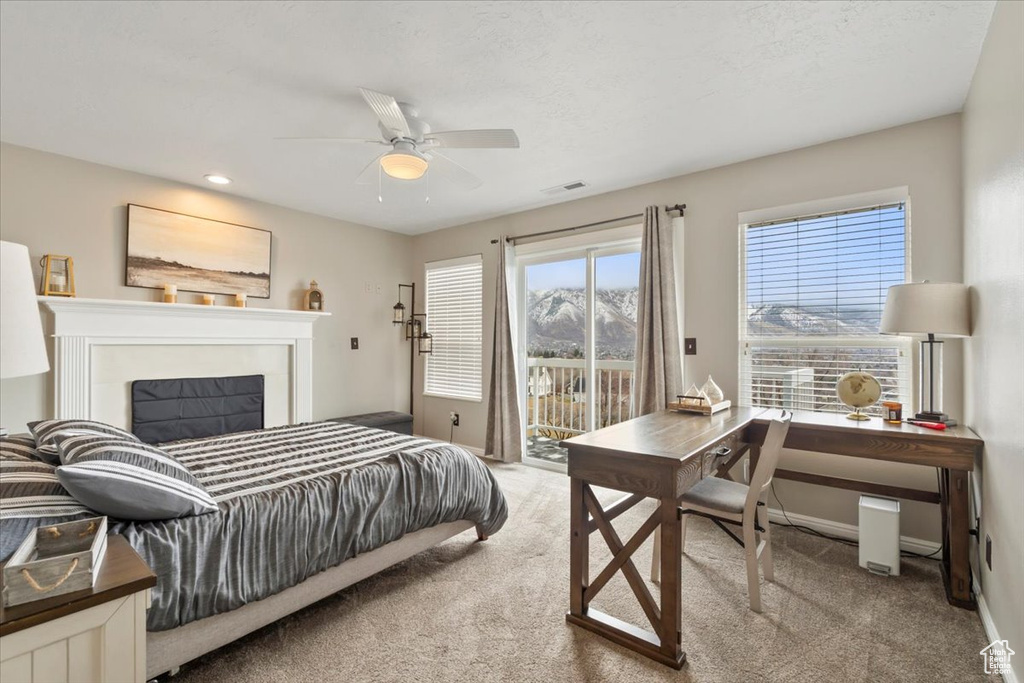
(849, 531)
(478, 452)
(990, 627)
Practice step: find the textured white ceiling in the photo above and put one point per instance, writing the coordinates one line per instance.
(613, 93)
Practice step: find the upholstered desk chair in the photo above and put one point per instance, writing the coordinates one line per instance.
(721, 500)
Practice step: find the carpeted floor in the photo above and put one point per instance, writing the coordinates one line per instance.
(494, 611)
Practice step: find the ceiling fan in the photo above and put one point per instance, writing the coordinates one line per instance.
(414, 147)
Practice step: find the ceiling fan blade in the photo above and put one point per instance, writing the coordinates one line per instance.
(495, 138)
(447, 169)
(388, 111)
(342, 140)
(369, 174)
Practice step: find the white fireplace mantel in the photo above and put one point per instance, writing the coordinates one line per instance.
(80, 325)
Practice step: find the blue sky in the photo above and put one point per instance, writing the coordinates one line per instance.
(621, 271)
(849, 260)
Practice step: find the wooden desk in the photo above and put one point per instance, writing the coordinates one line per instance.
(655, 456)
(953, 451)
(662, 455)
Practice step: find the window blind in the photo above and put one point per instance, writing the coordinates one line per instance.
(455, 319)
(811, 303)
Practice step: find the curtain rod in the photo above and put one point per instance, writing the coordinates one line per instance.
(678, 207)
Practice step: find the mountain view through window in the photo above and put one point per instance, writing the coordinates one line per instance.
(557, 347)
(814, 290)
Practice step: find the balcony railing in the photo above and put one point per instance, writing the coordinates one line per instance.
(557, 390)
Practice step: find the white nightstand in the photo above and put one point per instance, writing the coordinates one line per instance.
(92, 636)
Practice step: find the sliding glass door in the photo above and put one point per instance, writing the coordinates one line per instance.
(577, 320)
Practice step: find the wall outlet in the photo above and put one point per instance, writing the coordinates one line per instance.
(988, 551)
(690, 346)
(454, 417)
(355, 343)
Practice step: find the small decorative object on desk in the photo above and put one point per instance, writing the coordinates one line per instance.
(54, 560)
(893, 412)
(313, 298)
(707, 400)
(240, 300)
(58, 276)
(858, 390)
(170, 294)
(713, 391)
(208, 299)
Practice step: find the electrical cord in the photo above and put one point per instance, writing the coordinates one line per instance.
(451, 434)
(845, 541)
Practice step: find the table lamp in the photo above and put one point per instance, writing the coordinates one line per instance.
(22, 349)
(932, 309)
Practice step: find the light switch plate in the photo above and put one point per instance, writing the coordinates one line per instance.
(355, 343)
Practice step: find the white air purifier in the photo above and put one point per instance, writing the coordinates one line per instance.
(879, 520)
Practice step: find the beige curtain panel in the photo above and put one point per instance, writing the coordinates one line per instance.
(504, 424)
(659, 376)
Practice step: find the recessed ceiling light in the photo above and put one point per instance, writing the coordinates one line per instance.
(218, 179)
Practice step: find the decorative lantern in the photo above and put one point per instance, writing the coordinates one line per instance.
(58, 276)
(426, 342)
(313, 299)
(399, 314)
(413, 327)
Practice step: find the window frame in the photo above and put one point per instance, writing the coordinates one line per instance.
(836, 205)
(440, 265)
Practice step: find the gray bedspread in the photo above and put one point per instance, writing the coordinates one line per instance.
(295, 501)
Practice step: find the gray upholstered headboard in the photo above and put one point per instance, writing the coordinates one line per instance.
(171, 409)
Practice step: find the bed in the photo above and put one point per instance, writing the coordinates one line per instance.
(303, 511)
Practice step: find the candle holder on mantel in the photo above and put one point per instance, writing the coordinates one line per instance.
(58, 275)
(313, 298)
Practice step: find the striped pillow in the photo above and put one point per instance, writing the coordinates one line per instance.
(30, 488)
(47, 431)
(18, 447)
(24, 446)
(31, 496)
(129, 479)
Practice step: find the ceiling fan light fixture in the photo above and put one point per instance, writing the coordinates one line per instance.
(404, 164)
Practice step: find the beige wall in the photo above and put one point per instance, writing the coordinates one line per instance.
(60, 205)
(993, 171)
(923, 156)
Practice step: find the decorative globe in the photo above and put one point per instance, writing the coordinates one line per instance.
(858, 390)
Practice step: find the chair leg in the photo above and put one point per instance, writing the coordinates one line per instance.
(656, 556)
(766, 554)
(682, 538)
(750, 549)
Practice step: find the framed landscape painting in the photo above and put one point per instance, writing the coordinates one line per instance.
(196, 254)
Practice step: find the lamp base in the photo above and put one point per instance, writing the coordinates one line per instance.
(926, 416)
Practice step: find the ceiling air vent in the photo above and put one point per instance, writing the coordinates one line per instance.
(567, 187)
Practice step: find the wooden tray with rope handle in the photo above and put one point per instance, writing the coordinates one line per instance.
(54, 560)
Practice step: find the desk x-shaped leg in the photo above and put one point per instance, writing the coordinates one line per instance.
(663, 644)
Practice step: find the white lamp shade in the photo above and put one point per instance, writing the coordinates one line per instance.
(22, 349)
(939, 308)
